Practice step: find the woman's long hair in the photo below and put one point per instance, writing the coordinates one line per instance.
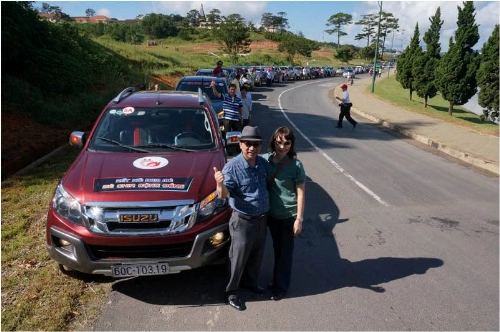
(286, 133)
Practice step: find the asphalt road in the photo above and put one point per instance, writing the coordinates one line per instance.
(396, 237)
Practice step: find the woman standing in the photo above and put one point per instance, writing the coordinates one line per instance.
(286, 185)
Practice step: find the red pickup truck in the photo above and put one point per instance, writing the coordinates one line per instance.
(140, 198)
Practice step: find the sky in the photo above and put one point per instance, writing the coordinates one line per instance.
(310, 17)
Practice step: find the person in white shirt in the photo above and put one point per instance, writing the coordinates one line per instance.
(244, 79)
(345, 108)
(246, 99)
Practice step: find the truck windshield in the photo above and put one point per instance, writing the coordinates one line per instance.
(154, 129)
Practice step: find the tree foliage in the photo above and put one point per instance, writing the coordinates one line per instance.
(456, 73)
(158, 26)
(388, 25)
(369, 23)
(193, 17)
(404, 74)
(424, 66)
(487, 77)
(367, 53)
(293, 45)
(279, 22)
(233, 37)
(338, 21)
(89, 12)
(344, 54)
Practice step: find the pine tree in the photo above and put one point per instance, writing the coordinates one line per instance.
(456, 73)
(404, 73)
(425, 65)
(487, 77)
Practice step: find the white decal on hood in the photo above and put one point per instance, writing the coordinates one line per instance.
(150, 162)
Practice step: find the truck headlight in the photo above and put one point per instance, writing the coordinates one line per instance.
(211, 206)
(67, 206)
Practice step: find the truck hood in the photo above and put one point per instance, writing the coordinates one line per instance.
(97, 176)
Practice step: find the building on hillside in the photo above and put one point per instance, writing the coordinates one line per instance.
(48, 17)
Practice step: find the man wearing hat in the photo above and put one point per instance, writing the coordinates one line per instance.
(345, 108)
(218, 71)
(243, 180)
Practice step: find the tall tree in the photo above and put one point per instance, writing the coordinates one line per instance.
(214, 17)
(89, 12)
(282, 22)
(193, 18)
(233, 37)
(266, 20)
(369, 22)
(387, 26)
(404, 74)
(338, 21)
(279, 22)
(425, 65)
(456, 73)
(487, 77)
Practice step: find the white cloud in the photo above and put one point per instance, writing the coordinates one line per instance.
(411, 12)
(103, 11)
(250, 11)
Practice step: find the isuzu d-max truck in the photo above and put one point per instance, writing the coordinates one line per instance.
(140, 198)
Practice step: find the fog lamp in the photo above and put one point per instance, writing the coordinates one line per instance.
(64, 243)
(217, 239)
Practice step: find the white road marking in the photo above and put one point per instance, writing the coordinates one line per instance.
(337, 166)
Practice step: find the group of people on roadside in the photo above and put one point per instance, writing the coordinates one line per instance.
(264, 191)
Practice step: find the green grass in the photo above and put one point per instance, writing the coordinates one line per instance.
(35, 294)
(389, 89)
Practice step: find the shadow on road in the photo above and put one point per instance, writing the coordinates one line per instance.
(318, 266)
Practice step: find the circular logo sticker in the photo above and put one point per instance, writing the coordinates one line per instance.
(128, 110)
(150, 162)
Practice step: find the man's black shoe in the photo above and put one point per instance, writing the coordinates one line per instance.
(277, 295)
(255, 289)
(235, 302)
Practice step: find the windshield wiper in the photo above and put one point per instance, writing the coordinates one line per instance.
(166, 146)
(132, 148)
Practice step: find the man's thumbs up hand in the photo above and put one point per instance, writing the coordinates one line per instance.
(219, 177)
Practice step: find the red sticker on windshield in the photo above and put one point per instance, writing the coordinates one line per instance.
(128, 110)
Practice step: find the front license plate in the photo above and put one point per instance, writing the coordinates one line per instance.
(132, 270)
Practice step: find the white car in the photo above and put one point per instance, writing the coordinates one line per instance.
(349, 73)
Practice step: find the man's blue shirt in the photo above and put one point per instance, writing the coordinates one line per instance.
(247, 185)
(231, 106)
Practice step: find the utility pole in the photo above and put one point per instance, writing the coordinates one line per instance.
(376, 47)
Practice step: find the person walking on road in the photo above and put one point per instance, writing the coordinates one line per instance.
(243, 180)
(345, 108)
(286, 185)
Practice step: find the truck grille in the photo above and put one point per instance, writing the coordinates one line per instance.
(140, 218)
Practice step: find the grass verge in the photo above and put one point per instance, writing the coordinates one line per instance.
(389, 89)
(35, 294)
